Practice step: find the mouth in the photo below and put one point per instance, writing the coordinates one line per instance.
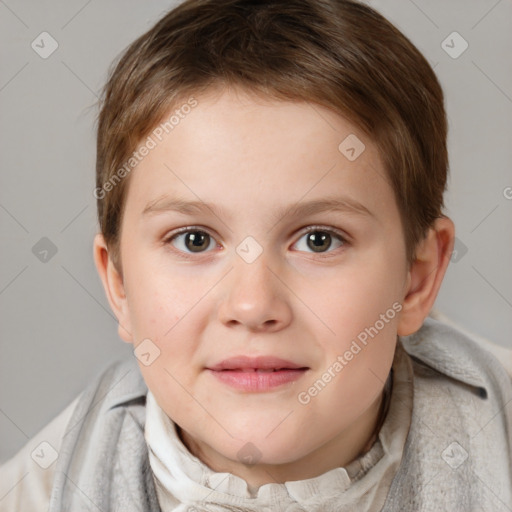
(257, 374)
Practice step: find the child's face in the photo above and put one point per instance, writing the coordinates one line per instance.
(251, 160)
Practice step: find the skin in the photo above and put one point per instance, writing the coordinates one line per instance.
(249, 157)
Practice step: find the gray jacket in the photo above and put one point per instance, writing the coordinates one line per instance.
(458, 454)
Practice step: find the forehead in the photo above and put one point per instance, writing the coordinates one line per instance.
(237, 149)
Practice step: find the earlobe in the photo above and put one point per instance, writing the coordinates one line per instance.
(426, 275)
(114, 287)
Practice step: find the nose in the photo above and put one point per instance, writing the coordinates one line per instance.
(255, 298)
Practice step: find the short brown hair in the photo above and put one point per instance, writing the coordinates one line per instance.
(340, 54)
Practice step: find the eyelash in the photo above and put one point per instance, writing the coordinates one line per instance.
(311, 229)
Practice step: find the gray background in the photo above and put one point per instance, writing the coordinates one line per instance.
(57, 331)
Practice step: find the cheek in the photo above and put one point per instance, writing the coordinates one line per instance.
(168, 388)
(351, 392)
(157, 300)
(354, 299)
(361, 306)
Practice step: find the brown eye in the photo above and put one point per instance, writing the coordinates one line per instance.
(320, 241)
(192, 241)
(196, 241)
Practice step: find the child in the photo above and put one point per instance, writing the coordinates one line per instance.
(270, 181)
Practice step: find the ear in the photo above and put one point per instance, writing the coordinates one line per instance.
(426, 274)
(113, 286)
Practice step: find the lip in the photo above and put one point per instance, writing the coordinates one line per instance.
(257, 374)
(255, 363)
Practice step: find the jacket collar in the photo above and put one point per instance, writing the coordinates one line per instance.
(129, 387)
(450, 352)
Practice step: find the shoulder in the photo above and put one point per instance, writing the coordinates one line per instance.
(460, 355)
(461, 384)
(26, 480)
(460, 440)
(501, 353)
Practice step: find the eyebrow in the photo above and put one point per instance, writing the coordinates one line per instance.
(301, 209)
